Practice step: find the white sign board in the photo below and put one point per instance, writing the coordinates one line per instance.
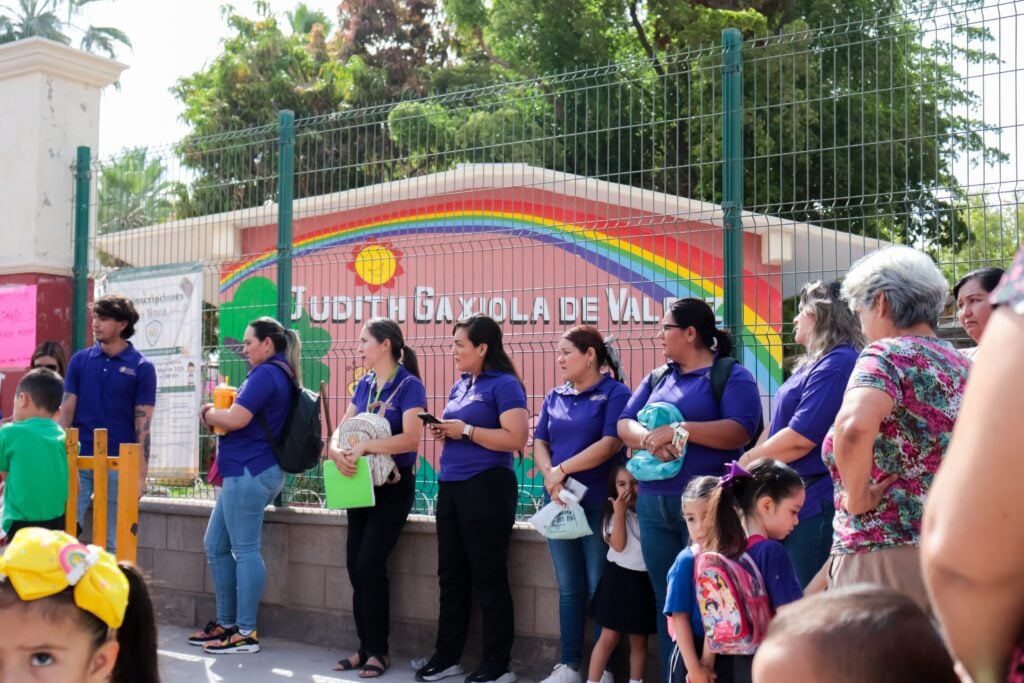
(169, 333)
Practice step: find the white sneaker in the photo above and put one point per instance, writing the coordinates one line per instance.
(563, 673)
(607, 677)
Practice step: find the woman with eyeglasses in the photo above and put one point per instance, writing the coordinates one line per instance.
(805, 408)
(50, 355)
(717, 432)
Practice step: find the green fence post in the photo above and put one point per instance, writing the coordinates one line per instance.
(80, 283)
(732, 180)
(285, 182)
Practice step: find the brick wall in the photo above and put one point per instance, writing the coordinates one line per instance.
(308, 597)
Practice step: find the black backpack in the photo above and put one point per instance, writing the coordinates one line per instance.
(721, 370)
(301, 442)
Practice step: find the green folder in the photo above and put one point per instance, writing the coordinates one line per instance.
(348, 492)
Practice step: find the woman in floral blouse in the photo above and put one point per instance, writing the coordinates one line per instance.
(895, 421)
(974, 522)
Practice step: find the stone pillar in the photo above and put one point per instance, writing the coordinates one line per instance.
(49, 105)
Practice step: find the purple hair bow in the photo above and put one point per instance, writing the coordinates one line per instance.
(733, 471)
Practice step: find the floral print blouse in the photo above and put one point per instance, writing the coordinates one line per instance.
(925, 377)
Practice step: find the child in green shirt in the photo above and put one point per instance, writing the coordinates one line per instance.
(33, 458)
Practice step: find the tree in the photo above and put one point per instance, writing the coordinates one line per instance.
(857, 138)
(54, 20)
(303, 19)
(134, 192)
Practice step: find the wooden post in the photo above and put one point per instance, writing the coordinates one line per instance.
(127, 466)
(71, 509)
(99, 487)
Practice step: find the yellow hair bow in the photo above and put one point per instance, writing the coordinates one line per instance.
(40, 563)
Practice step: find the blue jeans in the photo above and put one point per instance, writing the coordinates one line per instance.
(85, 489)
(232, 544)
(810, 542)
(663, 535)
(579, 565)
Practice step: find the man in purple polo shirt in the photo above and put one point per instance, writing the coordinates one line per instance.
(110, 385)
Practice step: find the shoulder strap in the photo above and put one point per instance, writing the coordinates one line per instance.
(262, 419)
(385, 404)
(721, 371)
(655, 377)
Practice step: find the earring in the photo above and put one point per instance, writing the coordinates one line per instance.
(590, 364)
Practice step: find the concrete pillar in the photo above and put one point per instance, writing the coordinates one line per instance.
(49, 105)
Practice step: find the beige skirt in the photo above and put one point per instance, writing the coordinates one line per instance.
(898, 568)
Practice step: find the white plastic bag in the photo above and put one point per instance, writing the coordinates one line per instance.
(562, 522)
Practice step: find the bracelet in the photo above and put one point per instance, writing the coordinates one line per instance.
(203, 414)
(561, 469)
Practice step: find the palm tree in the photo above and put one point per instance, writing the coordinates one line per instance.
(134, 192)
(48, 19)
(303, 19)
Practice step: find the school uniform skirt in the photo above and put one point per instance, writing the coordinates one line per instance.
(624, 601)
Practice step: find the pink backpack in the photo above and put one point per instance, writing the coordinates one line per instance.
(733, 603)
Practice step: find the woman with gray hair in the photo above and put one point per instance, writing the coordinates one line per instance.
(895, 421)
(805, 408)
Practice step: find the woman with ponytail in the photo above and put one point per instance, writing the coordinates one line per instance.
(252, 479)
(69, 613)
(717, 431)
(393, 384)
(576, 437)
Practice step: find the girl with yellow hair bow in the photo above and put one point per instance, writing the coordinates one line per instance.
(70, 613)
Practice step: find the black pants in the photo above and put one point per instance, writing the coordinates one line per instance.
(372, 535)
(474, 526)
(56, 524)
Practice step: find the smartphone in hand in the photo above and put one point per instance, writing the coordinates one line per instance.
(428, 419)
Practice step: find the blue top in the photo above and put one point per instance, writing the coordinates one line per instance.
(479, 403)
(570, 422)
(807, 403)
(681, 596)
(411, 395)
(691, 393)
(108, 389)
(267, 390)
(777, 569)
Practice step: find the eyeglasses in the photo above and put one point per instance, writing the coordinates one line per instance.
(666, 328)
(45, 365)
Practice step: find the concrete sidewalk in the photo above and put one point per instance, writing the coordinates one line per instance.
(278, 661)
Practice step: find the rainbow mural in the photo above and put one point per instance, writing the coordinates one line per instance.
(658, 265)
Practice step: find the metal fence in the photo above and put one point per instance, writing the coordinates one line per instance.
(587, 196)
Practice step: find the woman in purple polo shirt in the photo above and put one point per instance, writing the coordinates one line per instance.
(394, 383)
(252, 479)
(805, 408)
(485, 420)
(718, 431)
(576, 436)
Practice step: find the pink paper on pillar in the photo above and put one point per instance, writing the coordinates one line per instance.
(17, 325)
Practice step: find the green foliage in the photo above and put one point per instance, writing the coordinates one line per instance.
(134, 192)
(856, 129)
(256, 297)
(54, 20)
(994, 227)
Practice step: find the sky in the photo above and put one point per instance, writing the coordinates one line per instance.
(175, 39)
(170, 40)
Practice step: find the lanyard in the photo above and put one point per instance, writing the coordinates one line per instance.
(380, 388)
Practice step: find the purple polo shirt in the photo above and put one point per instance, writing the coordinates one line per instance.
(267, 390)
(780, 580)
(807, 403)
(411, 395)
(108, 389)
(479, 403)
(570, 422)
(691, 393)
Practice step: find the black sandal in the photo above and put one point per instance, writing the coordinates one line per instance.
(372, 670)
(347, 665)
